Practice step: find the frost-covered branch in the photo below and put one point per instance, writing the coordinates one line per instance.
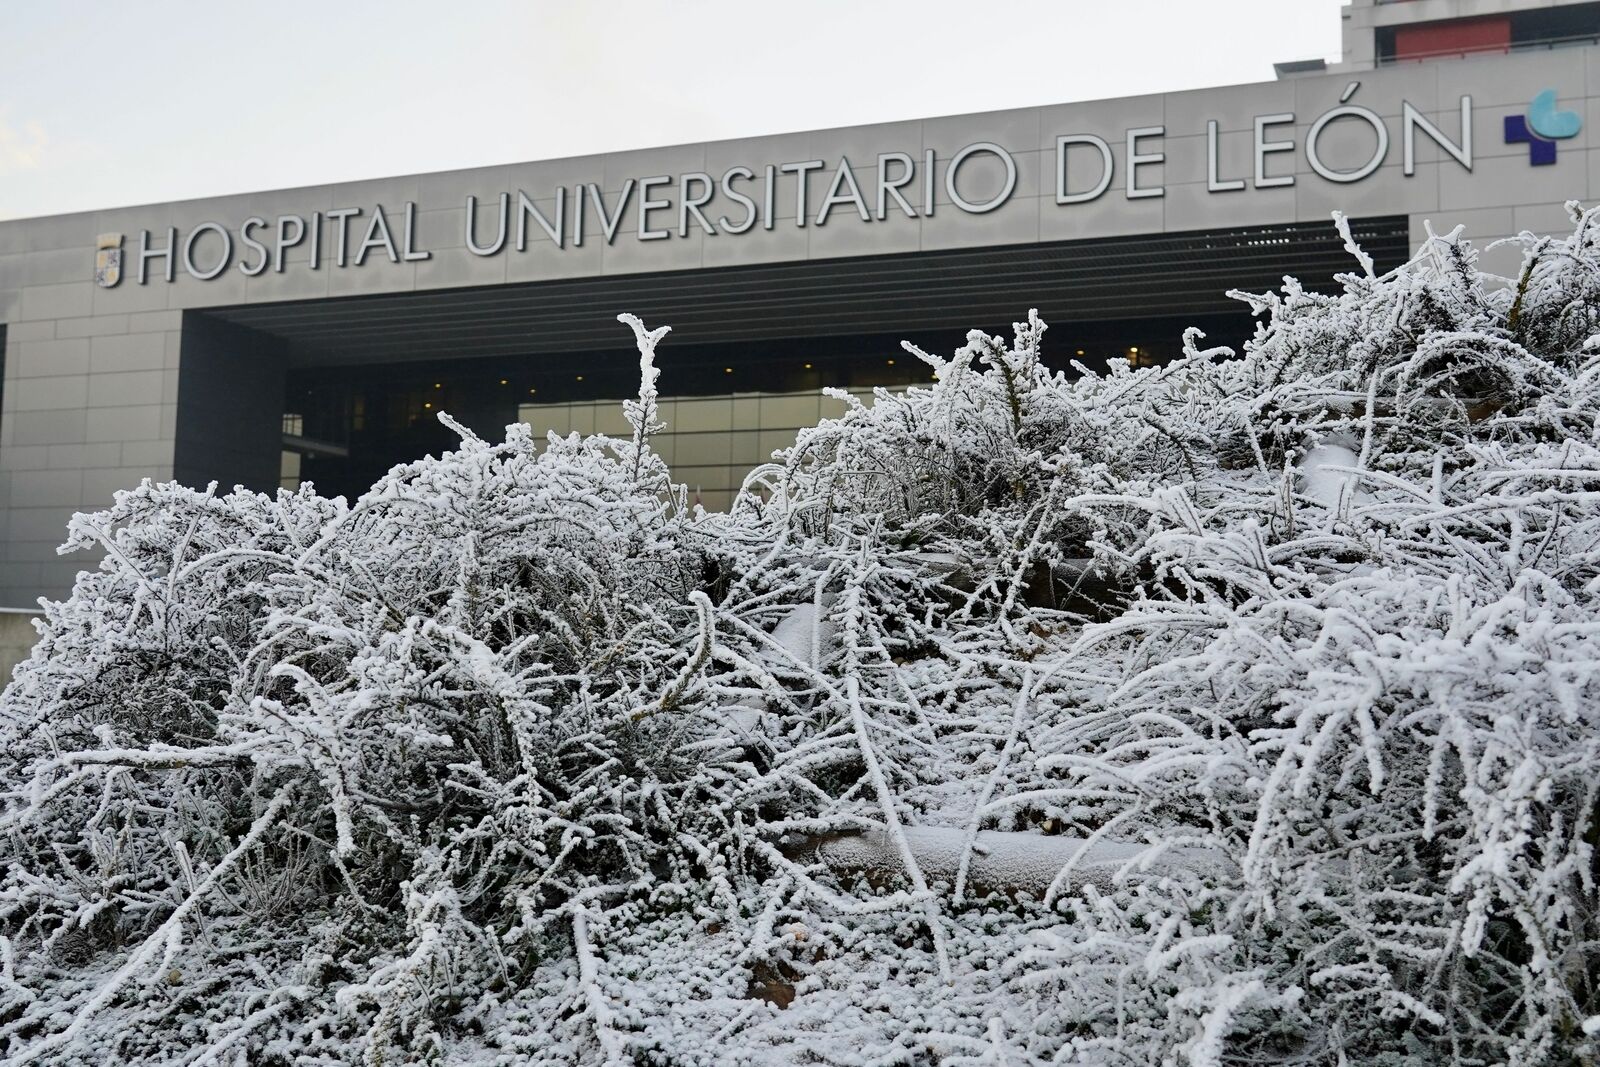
(1243, 710)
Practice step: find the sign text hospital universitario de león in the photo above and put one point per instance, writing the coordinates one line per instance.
(667, 206)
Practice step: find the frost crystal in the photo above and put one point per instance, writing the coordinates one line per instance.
(1243, 710)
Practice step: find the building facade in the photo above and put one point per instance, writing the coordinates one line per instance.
(314, 333)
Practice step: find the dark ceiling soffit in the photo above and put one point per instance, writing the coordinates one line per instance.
(1154, 275)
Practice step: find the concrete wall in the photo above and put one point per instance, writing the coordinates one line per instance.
(90, 406)
(94, 377)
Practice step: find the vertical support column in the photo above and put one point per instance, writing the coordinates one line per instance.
(230, 406)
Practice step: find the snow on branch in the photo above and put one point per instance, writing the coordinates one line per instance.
(1240, 710)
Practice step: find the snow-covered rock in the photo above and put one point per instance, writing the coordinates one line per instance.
(1018, 862)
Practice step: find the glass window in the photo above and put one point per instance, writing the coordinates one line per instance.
(789, 411)
(699, 448)
(711, 443)
(289, 469)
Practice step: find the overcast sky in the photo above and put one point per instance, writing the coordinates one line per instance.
(105, 104)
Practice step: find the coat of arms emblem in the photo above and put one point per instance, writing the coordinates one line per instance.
(108, 260)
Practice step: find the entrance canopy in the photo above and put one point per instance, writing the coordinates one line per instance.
(932, 296)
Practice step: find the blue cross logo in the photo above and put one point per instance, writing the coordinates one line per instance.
(1542, 127)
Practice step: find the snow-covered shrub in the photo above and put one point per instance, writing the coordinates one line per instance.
(1243, 710)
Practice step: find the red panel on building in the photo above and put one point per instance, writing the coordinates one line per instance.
(1491, 34)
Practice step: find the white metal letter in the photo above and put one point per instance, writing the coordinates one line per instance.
(1411, 120)
(1352, 111)
(1265, 147)
(647, 205)
(285, 241)
(689, 204)
(888, 188)
(799, 170)
(739, 198)
(471, 226)
(146, 254)
(836, 194)
(340, 215)
(1135, 160)
(254, 245)
(1214, 182)
(409, 249)
(955, 168)
(609, 223)
(555, 230)
(222, 261)
(377, 237)
(1107, 167)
